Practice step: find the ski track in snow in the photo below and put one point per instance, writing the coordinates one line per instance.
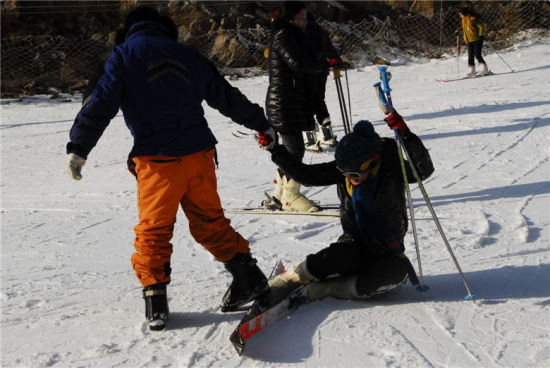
(70, 299)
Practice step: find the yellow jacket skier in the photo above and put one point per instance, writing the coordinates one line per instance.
(472, 30)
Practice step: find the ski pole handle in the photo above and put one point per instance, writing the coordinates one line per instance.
(382, 102)
(386, 83)
(385, 79)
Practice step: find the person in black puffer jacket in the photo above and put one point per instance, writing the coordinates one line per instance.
(322, 48)
(289, 100)
(368, 258)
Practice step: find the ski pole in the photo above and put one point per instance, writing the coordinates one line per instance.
(457, 54)
(512, 70)
(387, 108)
(387, 90)
(341, 100)
(350, 120)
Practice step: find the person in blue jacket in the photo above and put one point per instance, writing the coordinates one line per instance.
(159, 84)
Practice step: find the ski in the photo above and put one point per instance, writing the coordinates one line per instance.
(267, 316)
(256, 308)
(240, 134)
(272, 206)
(463, 78)
(264, 211)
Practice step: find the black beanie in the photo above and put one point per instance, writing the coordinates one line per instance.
(140, 14)
(358, 147)
(291, 8)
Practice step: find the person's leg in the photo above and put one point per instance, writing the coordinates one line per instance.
(320, 106)
(294, 144)
(158, 193)
(471, 53)
(343, 259)
(380, 275)
(321, 112)
(329, 272)
(471, 62)
(477, 51)
(377, 276)
(291, 198)
(202, 206)
(209, 227)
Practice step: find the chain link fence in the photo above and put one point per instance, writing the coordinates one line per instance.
(34, 64)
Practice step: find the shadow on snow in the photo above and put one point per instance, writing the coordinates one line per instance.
(290, 340)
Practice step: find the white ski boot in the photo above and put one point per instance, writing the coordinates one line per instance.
(274, 202)
(293, 278)
(471, 71)
(293, 200)
(483, 69)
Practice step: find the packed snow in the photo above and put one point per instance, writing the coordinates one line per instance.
(70, 298)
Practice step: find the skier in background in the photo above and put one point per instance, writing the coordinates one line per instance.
(159, 84)
(368, 258)
(472, 30)
(289, 100)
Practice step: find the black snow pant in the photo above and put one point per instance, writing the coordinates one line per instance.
(319, 105)
(352, 258)
(474, 50)
(294, 143)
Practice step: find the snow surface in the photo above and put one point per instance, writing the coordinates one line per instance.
(70, 299)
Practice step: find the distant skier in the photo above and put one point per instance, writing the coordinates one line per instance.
(160, 84)
(472, 30)
(369, 257)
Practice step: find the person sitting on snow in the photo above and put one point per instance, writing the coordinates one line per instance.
(368, 258)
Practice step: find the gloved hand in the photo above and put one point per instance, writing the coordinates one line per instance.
(395, 121)
(456, 32)
(268, 139)
(338, 63)
(74, 165)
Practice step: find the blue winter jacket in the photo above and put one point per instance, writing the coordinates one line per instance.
(159, 84)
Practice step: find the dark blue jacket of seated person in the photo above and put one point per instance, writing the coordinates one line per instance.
(159, 84)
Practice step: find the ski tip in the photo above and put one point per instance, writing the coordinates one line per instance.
(470, 296)
(237, 341)
(422, 288)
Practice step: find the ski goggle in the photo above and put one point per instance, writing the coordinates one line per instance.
(365, 167)
(356, 175)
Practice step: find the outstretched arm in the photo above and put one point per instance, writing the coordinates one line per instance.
(309, 175)
(232, 103)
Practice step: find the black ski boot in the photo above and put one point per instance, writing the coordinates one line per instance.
(249, 282)
(156, 306)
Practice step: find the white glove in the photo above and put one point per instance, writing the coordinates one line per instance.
(74, 166)
(268, 139)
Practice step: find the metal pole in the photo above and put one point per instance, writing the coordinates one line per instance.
(512, 70)
(387, 91)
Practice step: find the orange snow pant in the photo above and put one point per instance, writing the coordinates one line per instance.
(164, 183)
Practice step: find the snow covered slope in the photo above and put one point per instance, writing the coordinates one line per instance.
(69, 297)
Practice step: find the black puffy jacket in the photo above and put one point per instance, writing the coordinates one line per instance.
(289, 100)
(390, 189)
